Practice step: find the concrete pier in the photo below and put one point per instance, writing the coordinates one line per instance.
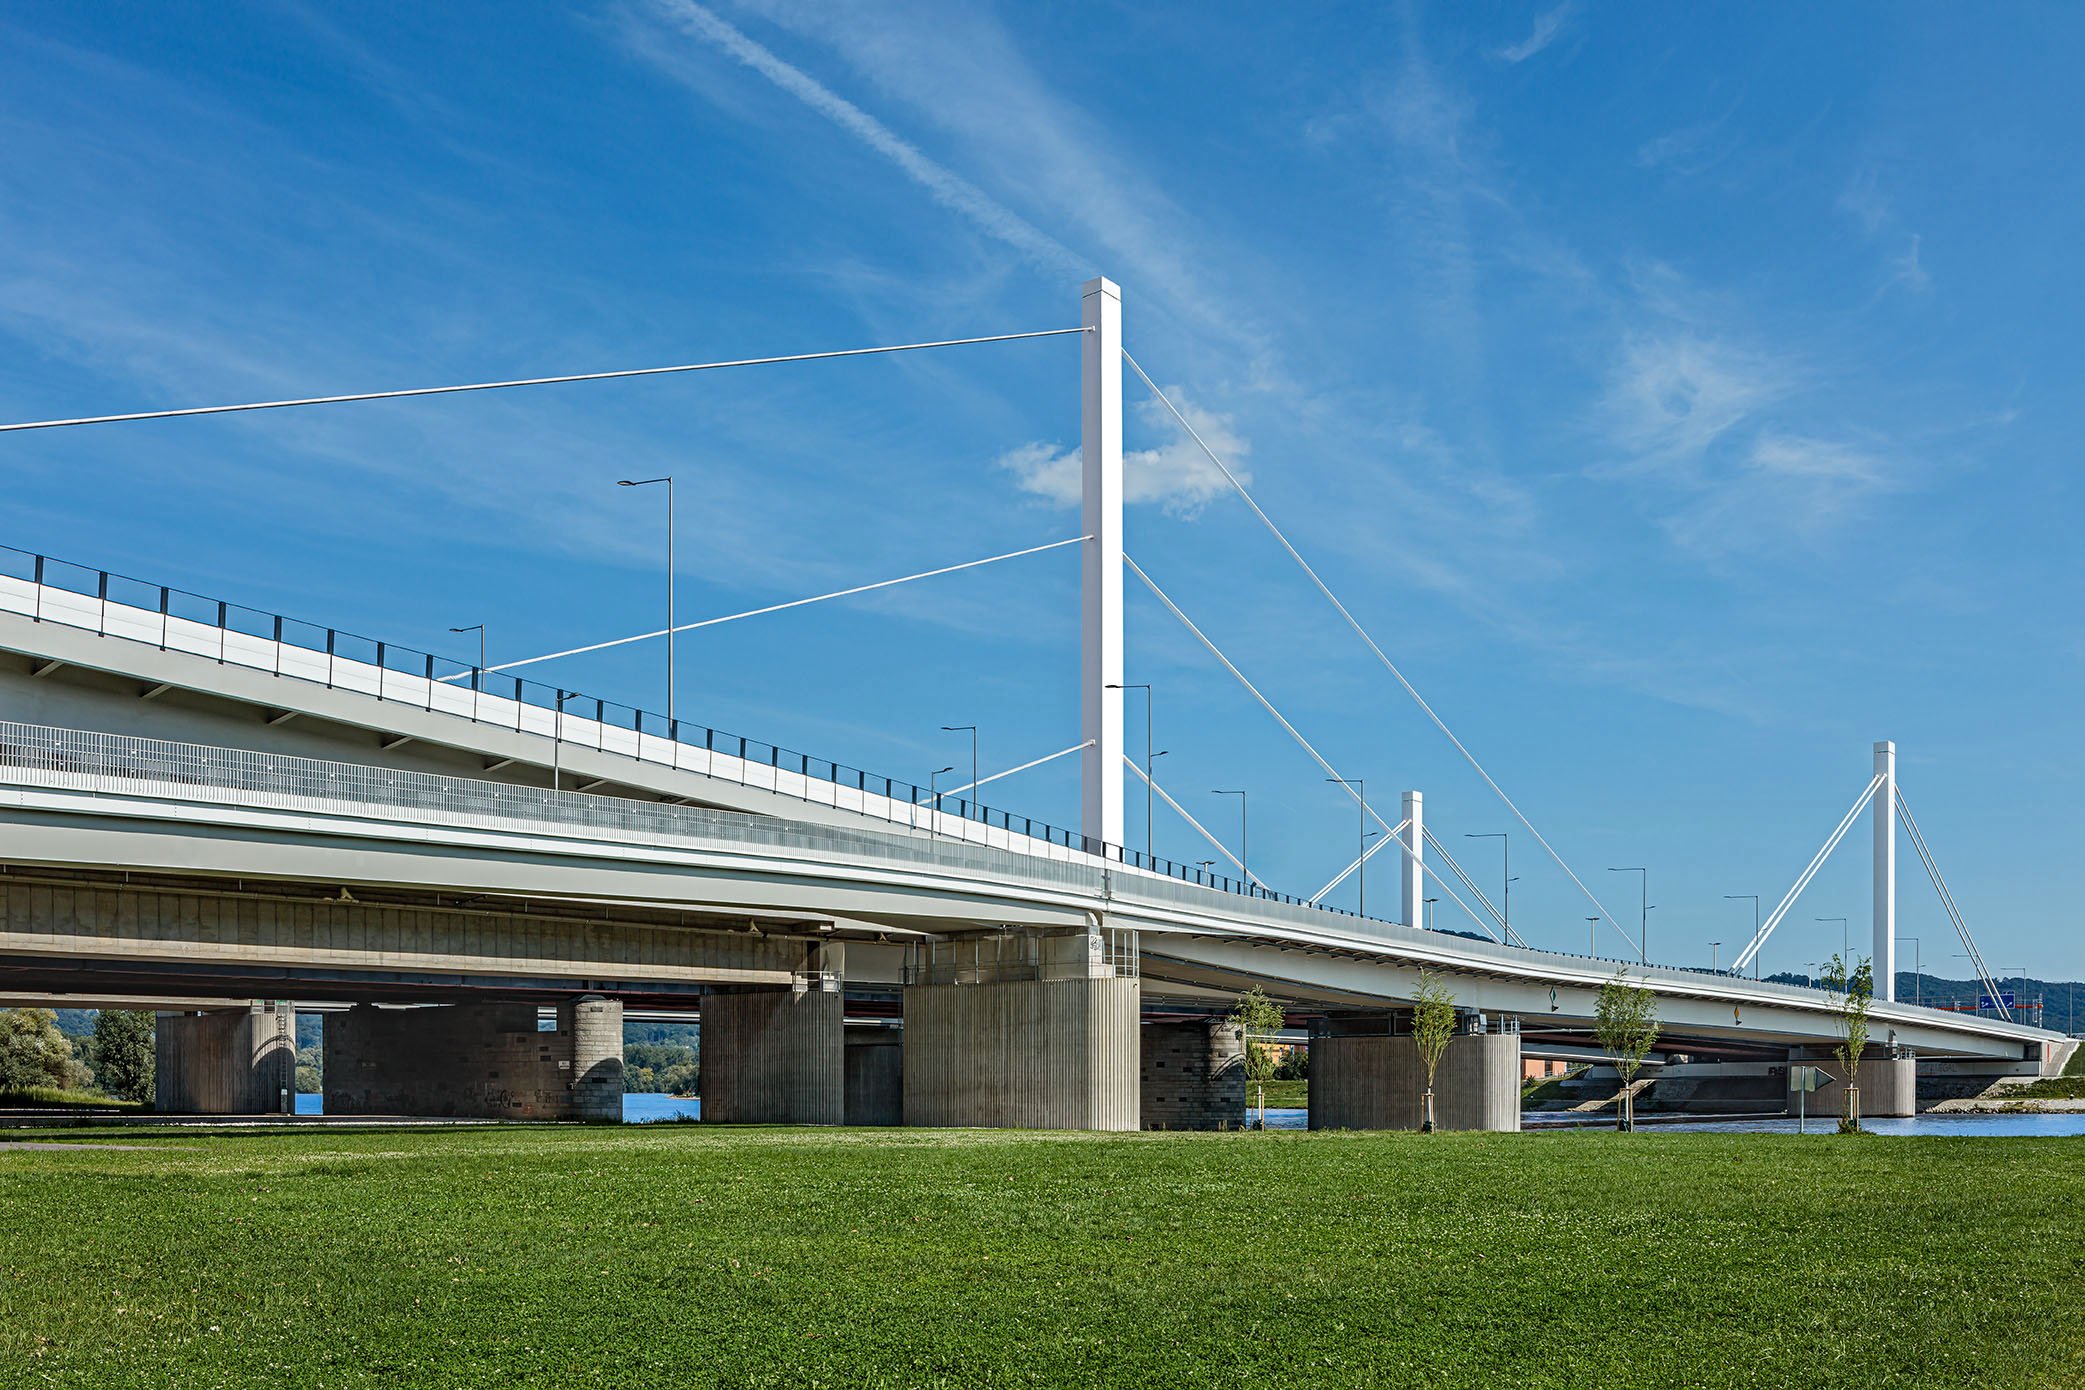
(875, 1076)
(240, 1061)
(1889, 1085)
(489, 1060)
(1365, 1074)
(1193, 1075)
(775, 1057)
(1031, 1033)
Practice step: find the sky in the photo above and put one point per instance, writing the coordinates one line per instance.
(1684, 396)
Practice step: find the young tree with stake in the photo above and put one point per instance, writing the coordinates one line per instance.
(1256, 1016)
(1433, 1027)
(1626, 1021)
(1852, 992)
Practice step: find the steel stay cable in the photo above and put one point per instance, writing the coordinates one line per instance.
(1947, 900)
(1380, 655)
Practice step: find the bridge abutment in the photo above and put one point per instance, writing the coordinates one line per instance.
(1365, 1073)
(1040, 1036)
(1193, 1075)
(484, 1060)
(240, 1061)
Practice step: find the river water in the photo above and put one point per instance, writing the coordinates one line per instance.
(648, 1107)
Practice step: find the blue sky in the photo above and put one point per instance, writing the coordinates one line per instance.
(1686, 396)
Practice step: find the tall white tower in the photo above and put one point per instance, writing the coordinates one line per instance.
(1100, 664)
(1885, 873)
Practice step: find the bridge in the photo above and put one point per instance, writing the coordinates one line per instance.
(226, 811)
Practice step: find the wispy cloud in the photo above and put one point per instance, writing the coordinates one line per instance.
(1870, 209)
(944, 185)
(1176, 475)
(1548, 25)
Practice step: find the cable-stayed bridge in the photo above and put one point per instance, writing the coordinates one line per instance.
(204, 802)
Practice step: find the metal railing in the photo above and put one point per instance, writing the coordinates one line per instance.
(50, 590)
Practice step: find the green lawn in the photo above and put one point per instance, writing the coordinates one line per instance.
(688, 1256)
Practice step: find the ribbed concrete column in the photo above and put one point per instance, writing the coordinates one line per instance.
(774, 1057)
(227, 1061)
(1374, 1080)
(1193, 1075)
(1049, 1041)
(1889, 1085)
(596, 1028)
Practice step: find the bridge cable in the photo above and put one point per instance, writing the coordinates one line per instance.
(1167, 797)
(1301, 742)
(1947, 900)
(1032, 762)
(1366, 855)
(1513, 938)
(1766, 928)
(777, 607)
(533, 381)
(1362, 632)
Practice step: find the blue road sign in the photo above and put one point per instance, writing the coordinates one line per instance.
(1983, 1001)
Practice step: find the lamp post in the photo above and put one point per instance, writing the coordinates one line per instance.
(1360, 790)
(972, 730)
(1714, 946)
(1740, 897)
(1918, 974)
(477, 676)
(1845, 945)
(672, 728)
(1643, 920)
(1505, 871)
(1149, 804)
(1244, 873)
(934, 795)
(1592, 935)
(1149, 759)
(1429, 912)
(557, 743)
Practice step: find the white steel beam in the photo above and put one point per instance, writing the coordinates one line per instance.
(1100, 668)
(1885, 873)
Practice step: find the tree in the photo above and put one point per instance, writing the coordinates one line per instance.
(1257, 1015)
(123, 1052)
(1852, 993)
(1433, 1027)
(1626, 1022)
(33, 1053)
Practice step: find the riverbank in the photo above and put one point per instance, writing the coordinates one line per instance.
(674, 1255)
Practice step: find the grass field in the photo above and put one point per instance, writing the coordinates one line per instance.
(687, 1256)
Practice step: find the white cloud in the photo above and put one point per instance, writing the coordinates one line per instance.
(1676, 392)
(1176, 475)
(1784, 487)
(1548, 25)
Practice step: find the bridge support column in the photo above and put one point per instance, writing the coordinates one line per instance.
(227, 1061)
(778, 1057)
(481, 1059)
(1365, 1073)
(1889, 1085)
(1885, 957)
(1044, 1039)
(1193, 1075)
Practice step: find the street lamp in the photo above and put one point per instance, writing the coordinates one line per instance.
(971, 729)
(1918, 975)
(1149, 759)
(1505, 871)
(1429, 912)
(477, 676)
(1592, 935)
(1740, 897)
(1643, 921)
(934, 794)
(1244, 873)
(1148, 803)
(1360, 790)
(672, 728)
(1845, 944)
(1713, 947)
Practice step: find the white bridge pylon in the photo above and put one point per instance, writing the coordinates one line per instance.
(1887, 799)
